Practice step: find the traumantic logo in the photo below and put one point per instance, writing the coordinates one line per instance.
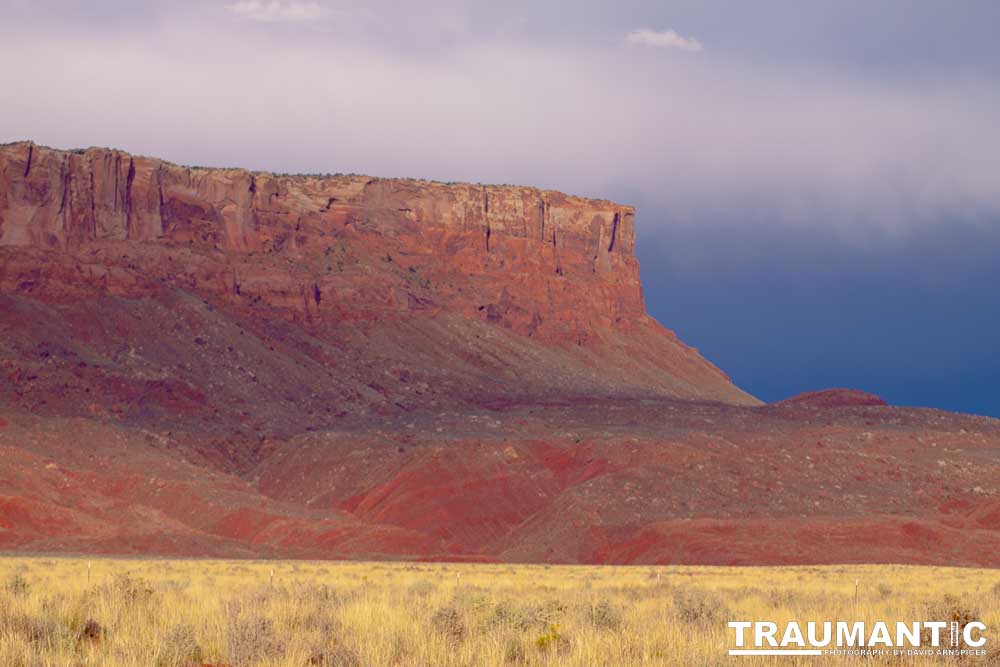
(857, 638)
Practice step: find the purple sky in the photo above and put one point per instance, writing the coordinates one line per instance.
(846, 155)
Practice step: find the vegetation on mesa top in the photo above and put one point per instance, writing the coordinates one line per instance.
(316, 175)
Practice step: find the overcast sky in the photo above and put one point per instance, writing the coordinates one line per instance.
(818, 183)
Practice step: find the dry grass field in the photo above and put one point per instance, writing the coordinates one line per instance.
(174, 613)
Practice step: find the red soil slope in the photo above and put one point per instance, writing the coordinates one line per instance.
(214, 362)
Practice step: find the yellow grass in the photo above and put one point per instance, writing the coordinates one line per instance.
(176, 612)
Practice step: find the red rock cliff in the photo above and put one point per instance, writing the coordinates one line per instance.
(319, 250)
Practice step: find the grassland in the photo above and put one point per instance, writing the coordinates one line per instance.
(171, 613)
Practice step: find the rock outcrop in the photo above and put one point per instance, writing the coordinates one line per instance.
(532, 260)
(832, 398)
(318, 251)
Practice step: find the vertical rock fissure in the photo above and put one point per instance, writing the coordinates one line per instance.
(614, 230)
(93, 205)
(66, 175)
(159, 188)
(128, 197)
(541, 219)
(31, 153)
(486, 217)
(118, 168)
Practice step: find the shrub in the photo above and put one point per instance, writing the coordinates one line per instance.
(605, 616)
(447, 621)
(252, 639)
(129, 589)
(335, 656)
(547, 613)
(553, 640)
(951, 610)
(92, 632)
(697, 607)
(505, 613)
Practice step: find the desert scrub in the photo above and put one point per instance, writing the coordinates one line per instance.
(334, 656)
(606, 616)
(153, 613)
(696, 607)
(447, 621)
(951, 610)
(553, 640)
(251, 640)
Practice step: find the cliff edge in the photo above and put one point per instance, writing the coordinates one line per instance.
(489, 292)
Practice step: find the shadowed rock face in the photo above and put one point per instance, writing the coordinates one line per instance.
(219, 362)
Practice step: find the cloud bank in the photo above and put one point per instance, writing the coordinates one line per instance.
(719, 146)
(276, 11)
(664, 39)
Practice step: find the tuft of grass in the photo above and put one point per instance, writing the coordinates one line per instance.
(180, 648)
(17, 585)
(514, 652)
(421, 589)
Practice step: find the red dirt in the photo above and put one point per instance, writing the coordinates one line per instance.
(219, 363)
(833, 398)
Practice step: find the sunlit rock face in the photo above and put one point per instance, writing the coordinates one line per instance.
(550, 273)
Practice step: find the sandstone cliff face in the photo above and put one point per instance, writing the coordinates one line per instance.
(321, 251)
(547, 262)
